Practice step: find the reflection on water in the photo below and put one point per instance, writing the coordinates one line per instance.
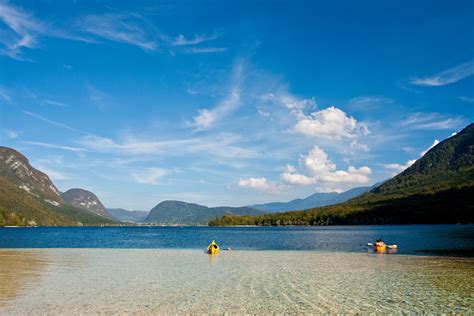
(150, 281)
(19, 271)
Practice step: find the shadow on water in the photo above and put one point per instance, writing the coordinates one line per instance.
(20, 270)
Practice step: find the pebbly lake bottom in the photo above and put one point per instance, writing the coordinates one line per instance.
(170, 281)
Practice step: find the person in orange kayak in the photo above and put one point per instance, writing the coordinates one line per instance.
(379, 245)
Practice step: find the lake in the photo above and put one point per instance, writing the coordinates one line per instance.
(164, 270)
(411, 239)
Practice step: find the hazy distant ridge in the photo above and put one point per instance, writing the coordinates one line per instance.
(314, 200)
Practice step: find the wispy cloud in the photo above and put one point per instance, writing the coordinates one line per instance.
(206, 50)
(54, 146)
(10, 134)
(97, 97)
(181, 40)
(24, 30)
(39, 117)
(209, 117)
(467, 99)
(289, 101)
(432, 121)
(447, 76)
(53, 103)
(150, 176)
(122, 28)
(54, 174)
(369, 102)
(222, 146)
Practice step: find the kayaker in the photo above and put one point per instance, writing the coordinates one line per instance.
(379, 245)
(213, 248)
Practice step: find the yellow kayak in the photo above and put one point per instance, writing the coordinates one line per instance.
(213, 248)
(380, 248)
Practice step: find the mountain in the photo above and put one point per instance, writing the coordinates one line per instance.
(85, 200)
(314, 200)
(28, 197)
(16, 168)
(128, 216)
(437, 188)
(449, 164)
(182, 213)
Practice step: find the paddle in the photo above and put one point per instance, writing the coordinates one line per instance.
(389, 246)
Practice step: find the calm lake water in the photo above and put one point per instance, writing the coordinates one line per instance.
(163, 270)
(411, 239)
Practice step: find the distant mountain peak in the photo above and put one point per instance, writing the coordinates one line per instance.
(86, 200)
(314, 200)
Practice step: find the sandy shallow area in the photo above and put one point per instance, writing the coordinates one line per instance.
(157, 281)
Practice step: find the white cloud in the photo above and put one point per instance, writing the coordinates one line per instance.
(355, 145)
(397, 168)
(432, 121)
(10, 134)
(352, 175)
(329, 123)
(291, 176)
(207, 118)
(122, 28)
(181, 40)
(317, 162)
(150, 176)
(436, 142)
(447, 76)
(262, 112)
(320, 169)
(255, 183)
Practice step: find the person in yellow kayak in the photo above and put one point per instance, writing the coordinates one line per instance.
(213, 248)
(380, 246)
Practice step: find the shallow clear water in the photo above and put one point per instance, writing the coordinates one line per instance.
(411, 239)
(151, 281)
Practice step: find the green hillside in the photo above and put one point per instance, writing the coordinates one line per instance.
(438, 188)
(18, 208)
(28, 197)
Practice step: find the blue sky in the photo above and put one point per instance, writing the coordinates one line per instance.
(231, 103)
